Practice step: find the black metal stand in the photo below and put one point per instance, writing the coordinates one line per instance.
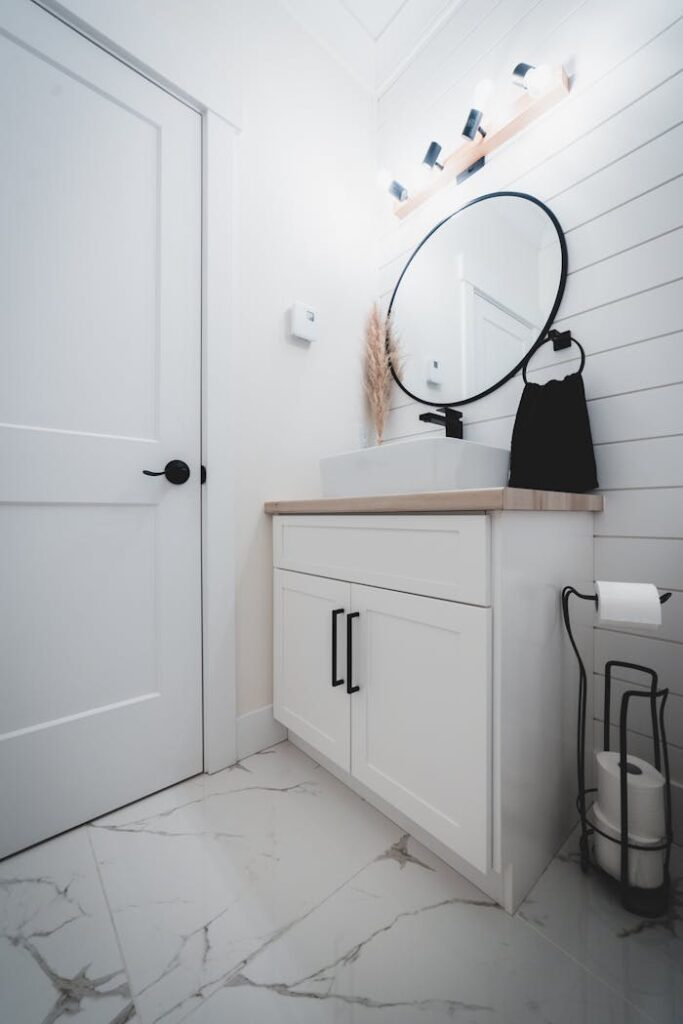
(644, 902)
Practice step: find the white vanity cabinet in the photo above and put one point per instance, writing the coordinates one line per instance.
(421, 659)
(409, 657)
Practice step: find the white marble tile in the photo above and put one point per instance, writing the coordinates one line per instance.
(59, 959)
(408, 940)
(582, 914)
(201, 876)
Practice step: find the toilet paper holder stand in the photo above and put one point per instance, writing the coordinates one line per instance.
(644, 902)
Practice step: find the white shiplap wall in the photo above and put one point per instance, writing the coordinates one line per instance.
(609, 162)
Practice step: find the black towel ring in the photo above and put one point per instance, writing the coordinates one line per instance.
(560, 341)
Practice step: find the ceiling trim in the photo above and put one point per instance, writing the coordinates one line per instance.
(375, 64)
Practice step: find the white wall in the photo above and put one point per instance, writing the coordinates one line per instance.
(193, 44)
(306, 205)
(609, 162)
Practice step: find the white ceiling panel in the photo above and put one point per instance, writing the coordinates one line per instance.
(374, 15)
(372, 39)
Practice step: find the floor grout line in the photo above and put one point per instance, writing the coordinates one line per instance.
(105, 896)
(570, 956)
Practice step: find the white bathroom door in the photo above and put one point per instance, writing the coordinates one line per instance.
(100, 291)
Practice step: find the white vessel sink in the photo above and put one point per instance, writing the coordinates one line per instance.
(420, 464)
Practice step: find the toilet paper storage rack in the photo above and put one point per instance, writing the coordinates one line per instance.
(641, 901)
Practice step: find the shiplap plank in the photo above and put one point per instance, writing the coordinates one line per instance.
(647, 314)
(650, 215)
(665, 657)
(652, 463)
(652, 513)
(647, 167)
(655, 412)
(635, 270)
(495, 432)
(641, 560)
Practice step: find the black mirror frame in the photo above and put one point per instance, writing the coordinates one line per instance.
(542, 336)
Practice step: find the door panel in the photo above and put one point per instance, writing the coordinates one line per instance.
(420, 722)
(100, 292)
(304, 698)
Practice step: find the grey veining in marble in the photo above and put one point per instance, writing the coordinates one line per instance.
(270, 893)
(59, 959)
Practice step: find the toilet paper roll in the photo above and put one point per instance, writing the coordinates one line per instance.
(628, 604)
(645, 867)
(646, 795)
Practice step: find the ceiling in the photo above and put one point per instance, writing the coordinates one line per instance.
(372, 39)
(374, 16)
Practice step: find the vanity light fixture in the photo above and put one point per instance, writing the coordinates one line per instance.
(542, 88)
(473, 125)
(395, 188)
(398, 191)
(536, 80)
(431, 157)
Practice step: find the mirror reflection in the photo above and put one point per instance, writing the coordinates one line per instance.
(475, 297)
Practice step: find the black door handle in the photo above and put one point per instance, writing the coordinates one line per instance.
(335, 681)
(175, 471)
(350, 688)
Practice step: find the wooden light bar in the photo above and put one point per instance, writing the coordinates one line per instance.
(526, 110)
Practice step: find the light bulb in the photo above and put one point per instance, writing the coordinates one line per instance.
(538, 80)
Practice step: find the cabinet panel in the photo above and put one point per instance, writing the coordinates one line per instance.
(304, 698)
(439, 556)
(421, 720)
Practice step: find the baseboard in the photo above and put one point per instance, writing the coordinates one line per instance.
(257, 730)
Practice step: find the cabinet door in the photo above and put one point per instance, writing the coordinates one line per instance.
(421, 720)
(304, 698)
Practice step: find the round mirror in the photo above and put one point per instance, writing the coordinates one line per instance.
(477, 295)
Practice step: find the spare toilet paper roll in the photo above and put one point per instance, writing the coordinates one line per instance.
(626, 604)
(645, 867)
(646, 799)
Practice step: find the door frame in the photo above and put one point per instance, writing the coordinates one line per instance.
(217, 400)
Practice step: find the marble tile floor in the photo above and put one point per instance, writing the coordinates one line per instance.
(271, 893)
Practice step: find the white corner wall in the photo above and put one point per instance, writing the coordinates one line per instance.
(609, 162)
(193, 44)
(306, 205)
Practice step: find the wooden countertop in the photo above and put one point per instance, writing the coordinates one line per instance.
(489, 499)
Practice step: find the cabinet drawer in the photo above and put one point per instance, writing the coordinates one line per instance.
(436, 556)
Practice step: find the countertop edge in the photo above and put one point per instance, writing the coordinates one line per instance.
(489, 499)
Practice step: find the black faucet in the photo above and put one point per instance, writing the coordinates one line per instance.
(452, 420)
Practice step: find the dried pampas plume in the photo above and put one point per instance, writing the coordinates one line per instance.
(381, 353)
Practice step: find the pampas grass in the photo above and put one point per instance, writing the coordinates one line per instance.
(381, 353)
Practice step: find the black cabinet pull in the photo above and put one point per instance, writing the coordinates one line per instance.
(350, 688)
(335, 681)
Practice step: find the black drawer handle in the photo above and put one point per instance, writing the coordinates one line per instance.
(335, 681)
(350, 688)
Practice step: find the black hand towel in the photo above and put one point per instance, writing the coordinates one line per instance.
(552, 447)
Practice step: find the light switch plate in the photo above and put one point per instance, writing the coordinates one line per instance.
(434, 370)
(304, 322)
